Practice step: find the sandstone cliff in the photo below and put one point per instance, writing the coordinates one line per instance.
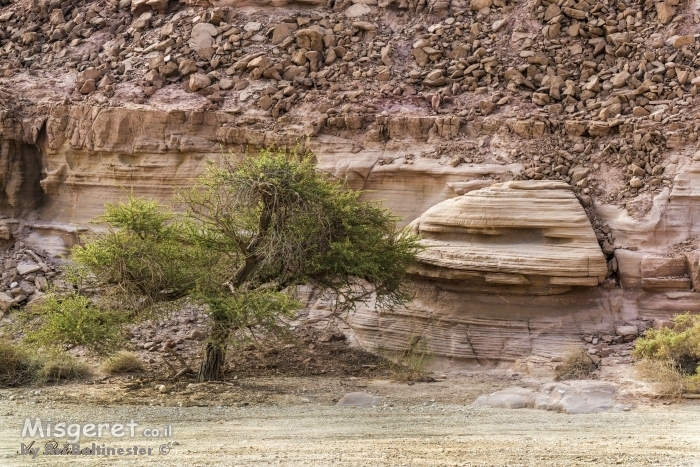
(545, 151)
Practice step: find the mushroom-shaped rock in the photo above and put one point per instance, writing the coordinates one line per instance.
(521, 233)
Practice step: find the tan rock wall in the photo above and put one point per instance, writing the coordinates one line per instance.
(466, 328)
(90, 154)
(465, 313)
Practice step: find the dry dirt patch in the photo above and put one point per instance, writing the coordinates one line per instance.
(292, 421)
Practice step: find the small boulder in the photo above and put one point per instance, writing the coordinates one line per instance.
(280, 33)
(259, 62)
(620, 79)
(225, 84)
(636, 182)
(682, 41)
(187, 66)
(90, 73)
(478, 5)
(511, 398)
(628, 333)
(27, 268)
(665, 12)
(266, 102)
(199, 81)
(143, 21)
(310, 39)
(357, 10)
(364, 25)
(6, 302)
(204, 28)
(57, 17)
(252, 26)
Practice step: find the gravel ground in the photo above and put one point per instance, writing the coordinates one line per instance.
(299, 426)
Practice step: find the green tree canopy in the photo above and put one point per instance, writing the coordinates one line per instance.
(249, 233)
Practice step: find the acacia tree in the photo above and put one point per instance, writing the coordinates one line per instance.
(249, 234)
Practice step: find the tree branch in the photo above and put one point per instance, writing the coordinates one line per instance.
(252, 258)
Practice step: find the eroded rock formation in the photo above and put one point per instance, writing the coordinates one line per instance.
(530, 234)
(20, 182)
(506, 271)
(449, 111)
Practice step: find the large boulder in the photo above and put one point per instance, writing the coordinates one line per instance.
(515, 233)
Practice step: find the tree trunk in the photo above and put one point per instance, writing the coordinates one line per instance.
(213, 363)
(212, 368)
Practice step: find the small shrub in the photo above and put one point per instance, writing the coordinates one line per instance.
(17, 367)
(123, 362)
(20, 367)
(577, 364)
(670, 382)
(680, 343)
(56, 367)
(671, 356)
(73, 320)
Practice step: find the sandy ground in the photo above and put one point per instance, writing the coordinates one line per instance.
(293, 422)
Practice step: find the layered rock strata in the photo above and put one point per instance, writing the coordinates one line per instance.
(417, 101)
(473, 306)
(506, 271)
(531, 234)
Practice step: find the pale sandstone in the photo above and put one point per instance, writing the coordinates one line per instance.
(614, 121)
(536, 229)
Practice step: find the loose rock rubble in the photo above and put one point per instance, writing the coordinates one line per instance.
(601, 85)
(305, 350)
(188, 325)
(25, 276)
(616, 345)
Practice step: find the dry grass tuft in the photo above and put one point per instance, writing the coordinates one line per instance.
(669, 381)
(410, 364)
(577, 364)
(62, 367)
(17, 367)
(20, 367)
(123, 362)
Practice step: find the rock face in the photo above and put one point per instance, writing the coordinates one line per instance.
(592, 105)
(464, 324)
(527, 234)
(20, 176)
(507, 271)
